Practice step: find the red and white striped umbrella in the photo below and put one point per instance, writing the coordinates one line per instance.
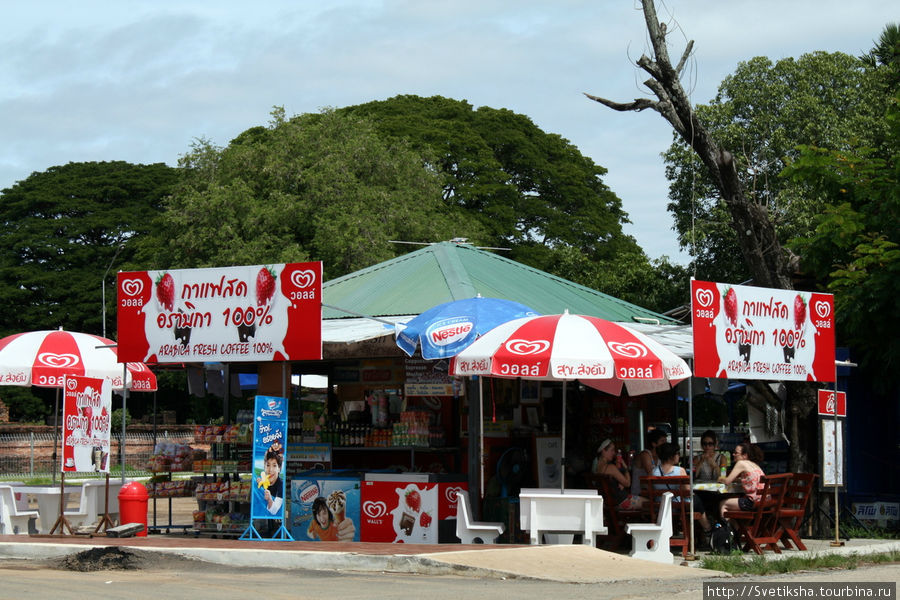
(566, 347)
(44, 358)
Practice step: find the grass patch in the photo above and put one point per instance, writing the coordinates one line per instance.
(736, 564)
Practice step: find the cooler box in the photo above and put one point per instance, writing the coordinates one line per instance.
(448, 485)
(403, 509)
(335, 497)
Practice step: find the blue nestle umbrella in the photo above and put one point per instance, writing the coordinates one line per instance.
(446, 329)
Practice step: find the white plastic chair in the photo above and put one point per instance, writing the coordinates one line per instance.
(650, 541)
(21, 497)
(469, 531)
(12, 519)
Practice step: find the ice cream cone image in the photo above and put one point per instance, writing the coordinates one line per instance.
(337, 504)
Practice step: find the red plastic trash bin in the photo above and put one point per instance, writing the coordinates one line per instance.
(133, 505)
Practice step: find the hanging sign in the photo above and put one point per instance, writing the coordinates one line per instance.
(232, 314)
(87, 404)
(743, 332)
(829, 402)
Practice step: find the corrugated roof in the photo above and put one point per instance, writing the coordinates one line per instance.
(445, 271)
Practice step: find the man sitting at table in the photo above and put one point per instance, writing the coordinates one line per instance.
(669, 455)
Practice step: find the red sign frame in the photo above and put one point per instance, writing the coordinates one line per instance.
(258, 313)
(827, 403)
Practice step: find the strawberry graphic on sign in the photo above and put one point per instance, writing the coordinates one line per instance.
(265, 286)
(731, 307)
(425, 519)
(414, 500)
(165, 291)
(799, 312)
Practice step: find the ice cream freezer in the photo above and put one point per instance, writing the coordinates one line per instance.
(413, 508)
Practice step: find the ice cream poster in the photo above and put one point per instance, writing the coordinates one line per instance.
(399, 512)
(743, 332)
(255, 313)
(325, 510)
(269, 436)
(87, 406)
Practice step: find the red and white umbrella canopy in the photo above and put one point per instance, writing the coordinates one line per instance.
(44, 358)
(566, 347)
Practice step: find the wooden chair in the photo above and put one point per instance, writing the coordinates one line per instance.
(616, 518)
(759, 527)
(654, 488)
(793, 508)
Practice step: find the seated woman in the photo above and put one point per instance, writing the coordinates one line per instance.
(746, 457)
(609, 464)
(709, 464)
(644, 463)
(669, 456)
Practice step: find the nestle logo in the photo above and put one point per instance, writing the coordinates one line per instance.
(273, 403)
(309, 494)
(448, 331)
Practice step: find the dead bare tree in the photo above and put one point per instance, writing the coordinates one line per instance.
(768, 262)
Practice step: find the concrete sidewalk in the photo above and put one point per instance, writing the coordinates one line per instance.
(564, 563)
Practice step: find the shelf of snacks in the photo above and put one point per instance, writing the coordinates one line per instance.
(170, 457)
(240, 433)
(170, 489)
(221, 466)
(215, 521)
(223, 491)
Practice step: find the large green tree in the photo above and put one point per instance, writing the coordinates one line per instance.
(532, 191)
(316, 186)
(62, 229)
(762, 113)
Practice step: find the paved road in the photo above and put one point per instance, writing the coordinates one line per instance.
(172, 577)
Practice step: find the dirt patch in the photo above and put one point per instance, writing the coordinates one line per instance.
(115, 558)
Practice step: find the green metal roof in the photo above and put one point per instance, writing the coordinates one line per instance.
(445, 271)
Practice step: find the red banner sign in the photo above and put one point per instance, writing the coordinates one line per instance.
(87, 404)
(743, 332)
(229, 314)
(828, 403)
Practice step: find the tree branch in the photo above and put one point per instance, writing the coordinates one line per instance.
(638, 105)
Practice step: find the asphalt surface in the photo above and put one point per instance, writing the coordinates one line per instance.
(559, 563)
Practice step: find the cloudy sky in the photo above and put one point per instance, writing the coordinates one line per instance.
(139, 80)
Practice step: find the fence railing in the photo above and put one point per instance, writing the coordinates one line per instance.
(26, 455)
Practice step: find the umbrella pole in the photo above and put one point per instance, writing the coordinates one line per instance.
(481, 436)
(55, 433)
(562, 461)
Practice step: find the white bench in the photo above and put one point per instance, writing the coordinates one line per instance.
(13, 519)
(550, 510)
(650, 541)
(469, 531)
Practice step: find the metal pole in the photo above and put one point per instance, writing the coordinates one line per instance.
(124, 413)
(103, 284)
(690, 462)
(837, 525)
(481, 436)
(562, 465)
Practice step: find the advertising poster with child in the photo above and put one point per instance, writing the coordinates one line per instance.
(269, 436)
(86, 413)
(325, 509)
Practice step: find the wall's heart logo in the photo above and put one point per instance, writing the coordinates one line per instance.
(704, 298)
(132, 287)
(526, 347)
(71, 383)
(51, 359)
(374, 510)
(303, 279)
(823, 309)
(630, 349)
(450, 493)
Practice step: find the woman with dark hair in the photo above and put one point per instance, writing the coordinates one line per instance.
(647, 460)
(609, 465)
(669, 455)
(709, 464)
(746, 468)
